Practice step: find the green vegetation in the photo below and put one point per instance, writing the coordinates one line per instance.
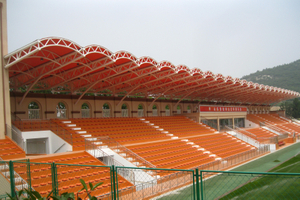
(292, 108)
(31, 195)
(283, 76)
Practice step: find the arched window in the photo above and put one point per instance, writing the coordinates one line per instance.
(178, 109)
(33, 110)
(85, 110)
(188, 109)
(106, 110)
(61, 110)
(140, 110)
(154, 110)
(167, 110)
(124, 110)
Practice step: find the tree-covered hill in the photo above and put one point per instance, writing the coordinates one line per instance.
(285, 76)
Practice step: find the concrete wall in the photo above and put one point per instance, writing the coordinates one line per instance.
(47, 105)
(250, 124)
(53, 141)
(5, 117)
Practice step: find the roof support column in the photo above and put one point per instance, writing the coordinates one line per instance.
(127, 95)
(5, 116)
(183, 98)
(158, 97)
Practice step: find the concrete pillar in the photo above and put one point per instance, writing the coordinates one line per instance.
(5, 116)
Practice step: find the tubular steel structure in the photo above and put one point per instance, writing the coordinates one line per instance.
(61, 65)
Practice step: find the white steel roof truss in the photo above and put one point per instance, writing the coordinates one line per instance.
(158, 76)
(49, 68)
(78, 72)
(180, 88)
(176, 78)
(28, 50)
(127, 79)
(117, 72)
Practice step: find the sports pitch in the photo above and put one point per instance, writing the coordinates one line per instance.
(246, 185)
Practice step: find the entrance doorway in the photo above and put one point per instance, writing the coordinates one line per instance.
(36, 146)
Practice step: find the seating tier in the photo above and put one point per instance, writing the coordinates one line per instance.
(10, 150)
(67, 175)
(221, 144)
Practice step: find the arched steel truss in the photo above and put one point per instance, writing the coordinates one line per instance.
(62, 65)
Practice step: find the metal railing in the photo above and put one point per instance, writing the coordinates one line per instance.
(94, 150)
(61, 113)
(16, 137)
(61, 178)
(167, 112)
(106, 113)
(17, 182)
(31, 124)
(59, 148)
(250, 140)
(85, 113)
(210, 123)
(108, 142)
(33, 113)
(140, 113)
(151, 182)
(34, 125)
(230, 161)
(276, 129)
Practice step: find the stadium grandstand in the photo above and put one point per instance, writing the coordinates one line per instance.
(86, 107)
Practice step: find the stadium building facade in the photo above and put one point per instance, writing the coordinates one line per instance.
(90, 107)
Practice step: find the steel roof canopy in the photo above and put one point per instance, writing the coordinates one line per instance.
(60, 64)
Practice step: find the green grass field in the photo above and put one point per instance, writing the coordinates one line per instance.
(271, 186)
(252, 186)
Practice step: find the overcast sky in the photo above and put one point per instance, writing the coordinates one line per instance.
(233, 38)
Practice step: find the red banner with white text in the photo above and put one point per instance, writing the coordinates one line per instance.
(222, 109)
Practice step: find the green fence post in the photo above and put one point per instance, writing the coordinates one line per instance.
(54, 179)
(114, 196)
(111, 182)
(194, 188)
(29, 175)
(117, 188)
(201, 177)
(12, 178)
(197, 184)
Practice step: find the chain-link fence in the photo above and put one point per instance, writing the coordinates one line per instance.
(249, 185)
(134, 183)
(68, 179)
(57, 178)
(152, 182)
(233, 160)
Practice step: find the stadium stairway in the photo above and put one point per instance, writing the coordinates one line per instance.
(123, 130)
(206, 139)
(140, 132)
